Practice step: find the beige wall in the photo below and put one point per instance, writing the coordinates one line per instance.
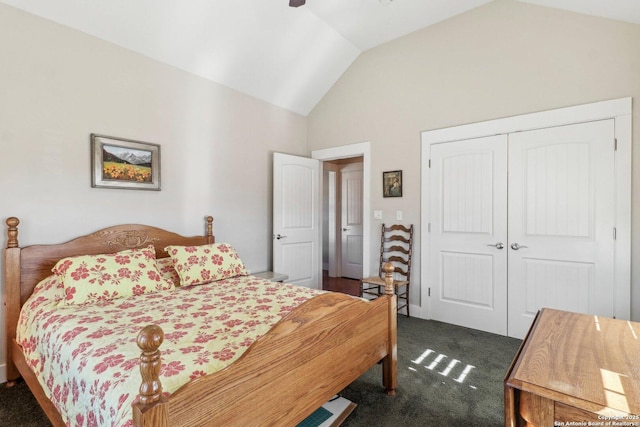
(503, 59)
(57, 86)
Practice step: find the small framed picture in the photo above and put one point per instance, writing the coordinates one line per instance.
(124, 163)
(392, 184)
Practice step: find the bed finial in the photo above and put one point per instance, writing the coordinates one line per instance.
(209, 219)
(149, 340)
(388, 279)
(12, 232)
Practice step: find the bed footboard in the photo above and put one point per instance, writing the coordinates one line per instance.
(309, 356)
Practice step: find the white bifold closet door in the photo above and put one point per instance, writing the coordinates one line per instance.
(522, 221)
(561, 207)
(468, 215)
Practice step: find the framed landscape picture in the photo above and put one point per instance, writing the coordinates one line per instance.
(124, 163)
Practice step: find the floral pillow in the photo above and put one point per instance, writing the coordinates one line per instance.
(207, 263)
(165, 266)
(52, 287)
(91, 278)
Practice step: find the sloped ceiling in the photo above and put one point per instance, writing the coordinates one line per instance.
(289, 57)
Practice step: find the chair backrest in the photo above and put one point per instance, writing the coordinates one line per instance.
(396, 247)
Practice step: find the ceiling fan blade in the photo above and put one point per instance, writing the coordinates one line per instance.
(296, 3)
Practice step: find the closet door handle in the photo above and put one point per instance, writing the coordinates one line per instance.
(498, 245)
(516, 246)
(278, 236)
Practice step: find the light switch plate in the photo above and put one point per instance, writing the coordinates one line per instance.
(377, 214)
(399, 215)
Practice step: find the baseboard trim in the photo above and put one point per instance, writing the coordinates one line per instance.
(416, 311)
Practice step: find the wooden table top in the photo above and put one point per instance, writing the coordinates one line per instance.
(587, 361)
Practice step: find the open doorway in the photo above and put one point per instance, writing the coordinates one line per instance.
(342, 214)
(362, 151)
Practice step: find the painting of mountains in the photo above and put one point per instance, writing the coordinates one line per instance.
(121, 163)
(124, 163)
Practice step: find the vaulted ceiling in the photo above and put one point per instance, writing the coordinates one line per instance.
(289, 57)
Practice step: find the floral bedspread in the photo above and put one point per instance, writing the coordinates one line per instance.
(86, 357)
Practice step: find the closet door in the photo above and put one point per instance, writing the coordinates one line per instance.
(561, 221)
(468, 246)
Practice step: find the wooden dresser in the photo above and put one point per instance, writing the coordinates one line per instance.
(575, 370)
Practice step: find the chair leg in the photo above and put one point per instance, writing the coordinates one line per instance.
(406, 289)
(405, 297)
(408, 315)
(370, 289)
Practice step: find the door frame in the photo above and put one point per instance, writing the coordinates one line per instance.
(331, 220)
(618, 109)
(354, 150)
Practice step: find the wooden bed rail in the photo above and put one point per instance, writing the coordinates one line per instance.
(152, 407)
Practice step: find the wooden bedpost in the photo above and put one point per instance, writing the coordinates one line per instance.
(149, 341)
(209, 232)
(12, 232)
(390, 362)
(150, 409)
(388, 279)
(12, 292)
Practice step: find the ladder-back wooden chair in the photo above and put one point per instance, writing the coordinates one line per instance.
(396, 247)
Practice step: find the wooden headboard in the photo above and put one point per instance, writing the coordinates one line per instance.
(26, 267)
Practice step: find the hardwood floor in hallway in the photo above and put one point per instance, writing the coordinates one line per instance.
(340, 284)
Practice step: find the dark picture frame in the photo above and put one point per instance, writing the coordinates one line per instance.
(124, 163)
(392, 184)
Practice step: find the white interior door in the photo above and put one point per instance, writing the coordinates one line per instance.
(468, 262)
(296, 222)
(351, 223)
(561, 221)
(557, 246)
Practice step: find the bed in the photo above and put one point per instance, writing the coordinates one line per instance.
(313, 352)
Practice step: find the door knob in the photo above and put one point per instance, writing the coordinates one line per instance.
(516, 246)
(498, 245)
(346, 229)
(278, 236)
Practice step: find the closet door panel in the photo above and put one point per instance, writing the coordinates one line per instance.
(561, 221)
(468, 233)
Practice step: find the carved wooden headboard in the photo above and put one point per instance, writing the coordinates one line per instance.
(35, 262)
